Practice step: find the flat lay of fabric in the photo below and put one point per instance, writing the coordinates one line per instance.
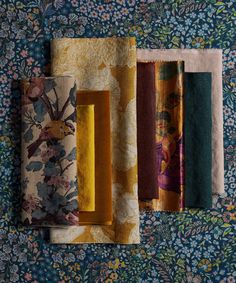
(202, 60)
(47, 46)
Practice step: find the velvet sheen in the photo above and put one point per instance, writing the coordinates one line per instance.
(146, 129)
(85, 157)
(198, 140)
(103, 195)
(169, 134)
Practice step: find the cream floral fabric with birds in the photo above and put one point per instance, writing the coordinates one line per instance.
(48, 152)
(107, 64)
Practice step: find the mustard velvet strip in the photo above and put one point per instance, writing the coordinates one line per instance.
(86, 157)
(103, 195)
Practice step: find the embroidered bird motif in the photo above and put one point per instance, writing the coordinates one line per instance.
(54, 130)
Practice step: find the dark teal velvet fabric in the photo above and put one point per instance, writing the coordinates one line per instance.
(198, 146)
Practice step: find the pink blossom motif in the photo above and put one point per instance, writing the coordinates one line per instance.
(121, 2)
(30, 204)
(35, 245)
(36, 88)
(59, 181)
(83, 9)
(2, 112)
(72, 218)
(15, 76)
(100, 8)
(36, 70)
(124, 11)
(28, 276)
(106, 16)
(6, 101)
(231, 65)
(48, 153)
(30, 61)
(24, 53)
(3, 79)
(75, 3)
(32, 90)
(94, 14)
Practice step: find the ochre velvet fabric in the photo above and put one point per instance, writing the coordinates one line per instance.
(103, 195)
(85, 157)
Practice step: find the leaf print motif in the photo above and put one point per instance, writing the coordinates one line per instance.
(50, 169)
(49, 84)
(34, 166)
(40, 110)
(47, 9)
(59, 4)
(38, 214)
(46, 150)
(72, 155)
(28, 135)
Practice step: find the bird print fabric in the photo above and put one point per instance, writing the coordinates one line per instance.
(48, 152)
(168, 137)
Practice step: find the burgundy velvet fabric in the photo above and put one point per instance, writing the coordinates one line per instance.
(146, 112)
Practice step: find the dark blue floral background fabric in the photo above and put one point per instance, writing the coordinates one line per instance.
(194, 246)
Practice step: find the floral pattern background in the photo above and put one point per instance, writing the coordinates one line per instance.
(193, 246)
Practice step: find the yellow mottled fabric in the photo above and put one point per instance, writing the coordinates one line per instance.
(85, 157)
(107, 64)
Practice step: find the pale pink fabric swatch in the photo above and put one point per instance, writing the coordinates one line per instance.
(201, 60)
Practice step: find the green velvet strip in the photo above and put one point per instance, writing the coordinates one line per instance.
(198, 136)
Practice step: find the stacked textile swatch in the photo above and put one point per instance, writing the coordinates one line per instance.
(82, 145)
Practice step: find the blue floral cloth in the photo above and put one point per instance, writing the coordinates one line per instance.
(194, 246)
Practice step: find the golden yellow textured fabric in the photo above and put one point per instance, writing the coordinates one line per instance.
(107, 64)
(103, 199)
(85, 157)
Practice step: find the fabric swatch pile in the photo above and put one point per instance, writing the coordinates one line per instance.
(117, 129)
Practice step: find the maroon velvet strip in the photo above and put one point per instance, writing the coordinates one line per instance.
(146, 112)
